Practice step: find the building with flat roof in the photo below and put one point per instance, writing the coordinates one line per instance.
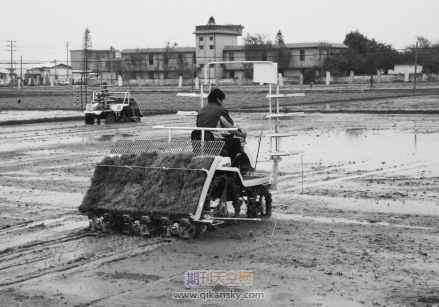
(103, 62)
(303, 56)
(153, 63)
(213, 43)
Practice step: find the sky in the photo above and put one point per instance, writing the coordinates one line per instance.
(41, 29)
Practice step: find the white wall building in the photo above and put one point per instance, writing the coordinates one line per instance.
(405, 68)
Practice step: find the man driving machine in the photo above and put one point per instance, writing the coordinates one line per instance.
(215, 115)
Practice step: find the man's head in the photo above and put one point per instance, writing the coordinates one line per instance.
(216, 95)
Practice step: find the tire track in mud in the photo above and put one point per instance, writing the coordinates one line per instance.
(44, 249)
(37, 232)
(73, 129)
(33, 196)
(51, 252)
(65, 136)
(90, 303)
(72, 266)
(35, 251)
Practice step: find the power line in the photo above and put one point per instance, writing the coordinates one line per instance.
(11, 45)
(45, 43)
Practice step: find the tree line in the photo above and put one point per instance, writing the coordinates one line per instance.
(367, 56)
(364, 56)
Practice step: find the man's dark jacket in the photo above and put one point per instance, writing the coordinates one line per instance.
(209, 116)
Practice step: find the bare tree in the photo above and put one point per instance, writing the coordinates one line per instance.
(282, 54)
(97, 58)
(424, 44)
(256, 48)
(135, 64)
(126, 68)
(139, 62)
(324, 49)
(86, 45)
(168, 57)
(211, 21)
(182, 67)
(111, 57)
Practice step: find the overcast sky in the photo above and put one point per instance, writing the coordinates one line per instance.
(41, 29)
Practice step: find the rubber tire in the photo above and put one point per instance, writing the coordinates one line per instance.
(110, 119)
(265, 195)
(252, 209)
(89, 120)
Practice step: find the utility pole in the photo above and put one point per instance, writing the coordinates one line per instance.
(67, 61)
(55, 70)
(301, 69)
(86, 72)
(21, 68)
(12, 58)
(416, 63)
(193, 58)
(111, 64)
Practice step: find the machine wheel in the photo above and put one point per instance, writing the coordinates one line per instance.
(90, 120)
(187, 229)
(264, 202)
(252, 208)
(110, 119)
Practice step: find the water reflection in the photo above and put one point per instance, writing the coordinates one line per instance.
(355, 133)
(416, 144)
(29, 115)
(331, 148)
(106, 137)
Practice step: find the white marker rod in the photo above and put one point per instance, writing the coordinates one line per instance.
(236, 218)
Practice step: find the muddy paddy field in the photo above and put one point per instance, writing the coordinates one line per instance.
(359, 228)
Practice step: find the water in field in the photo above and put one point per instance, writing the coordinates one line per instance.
(385, 148)
(6, 116)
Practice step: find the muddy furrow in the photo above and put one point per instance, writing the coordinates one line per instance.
(12, 253)
(93, 302)
(85, 253)
(39, 235)
(32, 161)
(75, 129)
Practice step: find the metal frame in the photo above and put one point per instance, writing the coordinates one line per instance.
(203, 95)
(211, 148)
(271, 179)
(276, 155)
(233, 62)
(126, 97)
(192, 128)
(205, 189)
